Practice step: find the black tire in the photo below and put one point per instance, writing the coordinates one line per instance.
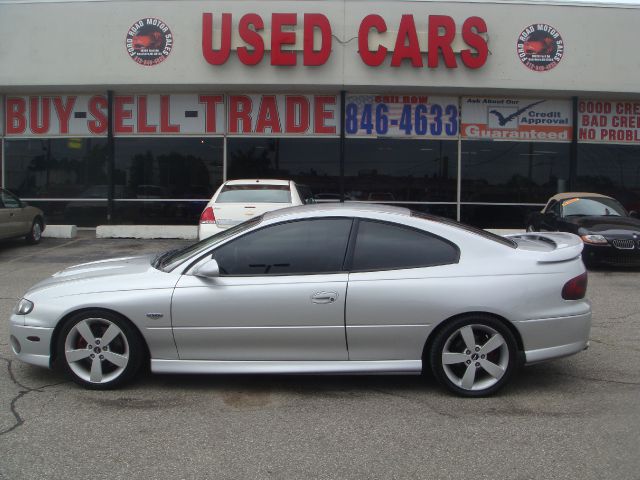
(449, 340)
(126, 344)
(35, 234)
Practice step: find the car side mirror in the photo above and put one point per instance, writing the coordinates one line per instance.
(210, 269)
(634, 214)
(23, 204)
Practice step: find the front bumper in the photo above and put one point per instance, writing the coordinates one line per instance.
(610, 255)
(31, 344)
(549, 338)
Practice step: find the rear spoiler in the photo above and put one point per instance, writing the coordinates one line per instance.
(566, 246)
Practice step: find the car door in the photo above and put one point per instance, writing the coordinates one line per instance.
(399, 280)
(280, 296)
(11, 216)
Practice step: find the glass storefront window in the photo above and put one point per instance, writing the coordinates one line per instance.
(497, 216)
(612, 170)
(389, 170)
(313, 162)
(513, 172)
(158, 171)
(56, 167)
(157, 168)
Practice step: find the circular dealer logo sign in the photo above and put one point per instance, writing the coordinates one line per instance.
(149, 41)
(540, 47)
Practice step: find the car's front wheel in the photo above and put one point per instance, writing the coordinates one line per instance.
(35, 234)
(99, 350)
(474, 356)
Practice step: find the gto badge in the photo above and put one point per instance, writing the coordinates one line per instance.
(155, 316)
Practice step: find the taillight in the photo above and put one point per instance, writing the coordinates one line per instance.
(576, 288)
(207, 216)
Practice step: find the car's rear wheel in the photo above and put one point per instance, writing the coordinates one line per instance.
(474, 356)
(35, 234)
(100, 350)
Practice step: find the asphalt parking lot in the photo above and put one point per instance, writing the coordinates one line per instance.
(573, 418)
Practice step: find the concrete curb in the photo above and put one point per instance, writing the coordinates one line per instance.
(186, 232)
(60, 231)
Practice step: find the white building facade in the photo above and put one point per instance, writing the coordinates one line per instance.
(135, 112)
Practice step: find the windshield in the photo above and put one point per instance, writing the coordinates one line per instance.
(169, 260)
(254, 194)
(592, 206)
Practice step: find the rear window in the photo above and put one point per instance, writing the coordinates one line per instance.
(254, 194)
(478, 231)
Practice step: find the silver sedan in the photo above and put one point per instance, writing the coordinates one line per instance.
(333, 288)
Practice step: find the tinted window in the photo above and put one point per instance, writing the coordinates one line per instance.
(467, 228)
(8, 200)
(383, 246)
(254, 194)
(308, 246)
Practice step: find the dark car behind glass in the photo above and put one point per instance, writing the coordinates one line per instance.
(611, 235)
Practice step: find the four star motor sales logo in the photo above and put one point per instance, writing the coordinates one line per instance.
(149, 41)
(540, 47)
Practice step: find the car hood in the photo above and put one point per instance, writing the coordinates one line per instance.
(607, 224)
(126, 273)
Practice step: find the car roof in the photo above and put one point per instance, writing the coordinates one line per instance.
(348, 208)
(264, 181)
(567, 195)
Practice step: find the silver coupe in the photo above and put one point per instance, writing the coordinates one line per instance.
(332, 288)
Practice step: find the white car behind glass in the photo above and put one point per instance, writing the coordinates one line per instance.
(239, 200)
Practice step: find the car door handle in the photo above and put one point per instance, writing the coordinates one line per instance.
(324, 297)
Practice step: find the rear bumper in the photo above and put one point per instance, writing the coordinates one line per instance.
(549, 338)
(31, 344)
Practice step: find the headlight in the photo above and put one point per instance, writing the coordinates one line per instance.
(23, 307)
(594, 239)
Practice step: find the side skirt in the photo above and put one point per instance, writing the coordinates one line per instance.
(400, 367)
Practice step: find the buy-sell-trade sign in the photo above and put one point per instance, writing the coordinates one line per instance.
(516, 119)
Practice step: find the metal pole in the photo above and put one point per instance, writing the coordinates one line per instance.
(342, 142)
(110, 158)
(573, 152)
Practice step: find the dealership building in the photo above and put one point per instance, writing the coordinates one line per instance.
(134, 112)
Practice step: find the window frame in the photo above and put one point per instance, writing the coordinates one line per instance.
(3, 191)
(353, 241)
(211, 253)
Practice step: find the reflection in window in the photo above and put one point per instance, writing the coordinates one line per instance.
(310, 162)
(497, 216)
(612, 170)
(299, 247)
(386, 170)
(513, 172)
(157, 168)
(55, 168)
(384, 246)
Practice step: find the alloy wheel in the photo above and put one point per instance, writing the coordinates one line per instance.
(475, 357)
(96, 350)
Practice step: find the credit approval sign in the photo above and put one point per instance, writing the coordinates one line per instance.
(516, 119)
